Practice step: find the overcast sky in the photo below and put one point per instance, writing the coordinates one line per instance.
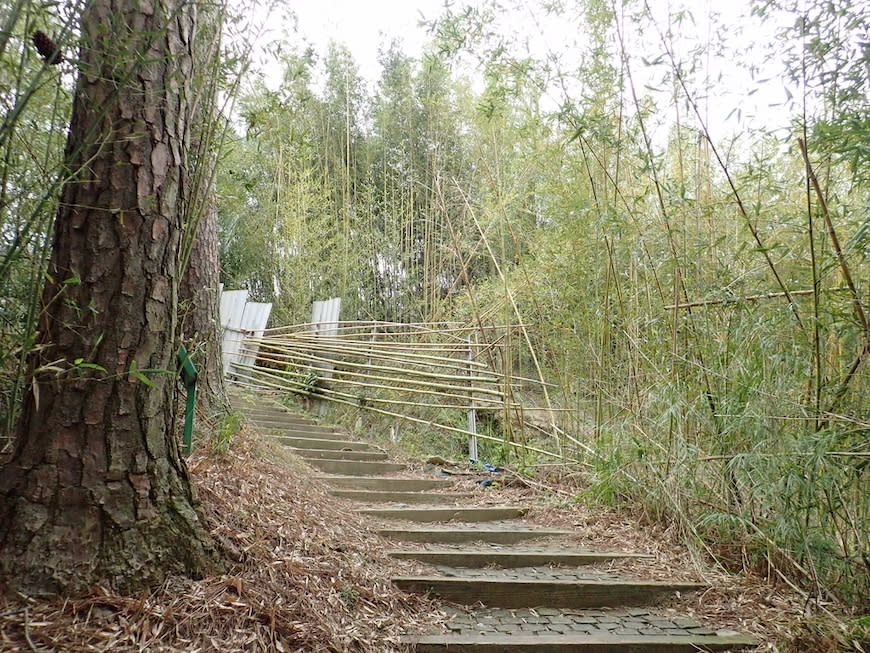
(367, 26)
(364, 26)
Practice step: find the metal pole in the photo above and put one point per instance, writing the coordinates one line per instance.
(472, 412)
(189, 375)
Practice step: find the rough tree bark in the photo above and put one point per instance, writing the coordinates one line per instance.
(95, 490)
(199, 292)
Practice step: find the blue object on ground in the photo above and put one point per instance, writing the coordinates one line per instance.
(487, 467)
(485, 482)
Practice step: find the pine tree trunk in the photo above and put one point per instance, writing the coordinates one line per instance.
(95, 490)
(200, 298)
(199, 290)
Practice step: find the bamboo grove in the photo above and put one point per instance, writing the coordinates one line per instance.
(670, 299)
(692, 311)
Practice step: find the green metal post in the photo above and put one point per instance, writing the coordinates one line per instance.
(188, 376)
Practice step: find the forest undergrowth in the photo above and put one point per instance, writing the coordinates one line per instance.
(677, 291)
(746, 591)
(303, 574)
(651, 223)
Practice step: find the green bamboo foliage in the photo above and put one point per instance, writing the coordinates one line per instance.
(688, 310)
(35, 91)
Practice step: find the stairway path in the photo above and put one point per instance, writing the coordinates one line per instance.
(512, 585)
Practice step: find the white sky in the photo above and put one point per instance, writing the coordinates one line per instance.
(365, 27)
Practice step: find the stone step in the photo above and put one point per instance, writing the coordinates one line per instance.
(356, 467)
(446, 513)
(520, 592)
(456, 534)
(268, 409)
(381, 496)
(489, 630)
(511, 558)
(298, 425)
(333, 454)
(387, 484)
(321, 443)
(287, 425)
(303, 433)
(260, 410)
(580, 643)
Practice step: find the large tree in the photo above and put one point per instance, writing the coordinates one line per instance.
(94, 489)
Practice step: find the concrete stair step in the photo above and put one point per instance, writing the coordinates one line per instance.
(319, 434)
(446, 513)
(289, 425)
(267, 408)
(581, 643)
(386, 484)
(356, 467)
(634, 630)
(518, 592)
(457, 534)
(511, 558)
(321, 443)
(276, 407)
(295, 424)
(381, 496)
(333, 454)
(277, 412)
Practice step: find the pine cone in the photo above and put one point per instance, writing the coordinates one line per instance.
(47, 48)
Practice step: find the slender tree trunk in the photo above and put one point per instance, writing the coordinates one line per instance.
(199, 292)
(95, 490)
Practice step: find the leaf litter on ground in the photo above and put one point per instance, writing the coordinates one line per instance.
(305, 575)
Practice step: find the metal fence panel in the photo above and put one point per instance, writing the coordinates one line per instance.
(253, 324)
(232, 311)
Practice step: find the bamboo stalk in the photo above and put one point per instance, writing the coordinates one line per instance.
(840, 392)
(444, 427)
(338, 379)
(679, 281)
(749, 298)
(725, 170)
(510, 298)
(835, 241)
(249, 344)
(815, 382)
(368, 351)
(308, 361)
(371, 339)
(437, 328)
(837, 454)
(282, 348)
(417, 373)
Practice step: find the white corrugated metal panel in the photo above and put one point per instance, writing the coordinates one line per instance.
(324, 319)
(232, 311)
(253, 324)
(325, 315)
